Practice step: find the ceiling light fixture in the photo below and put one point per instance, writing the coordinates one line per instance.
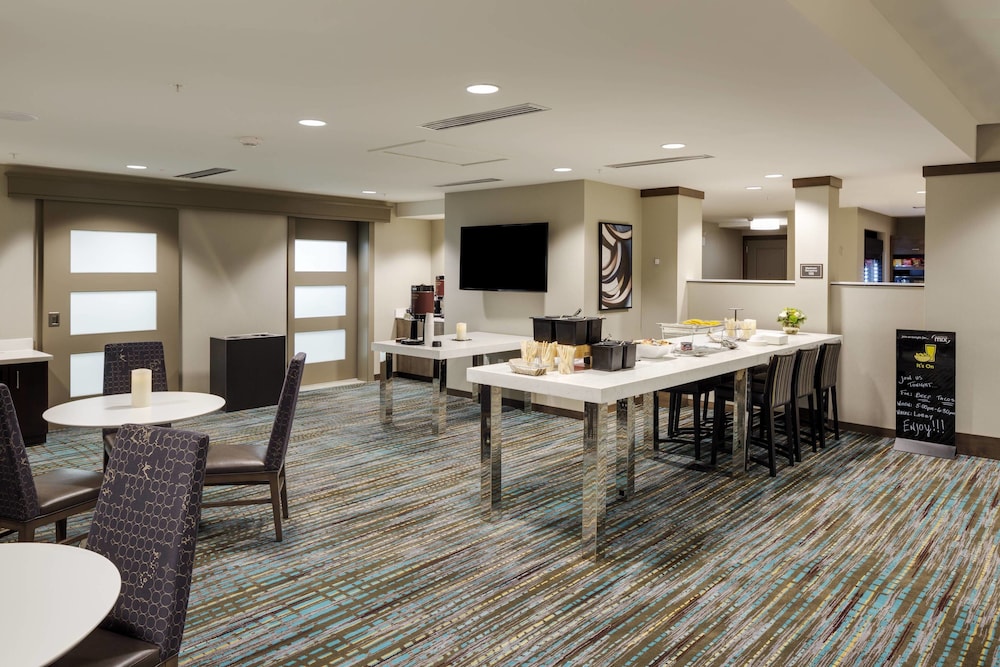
(562, 169)
(368, 192)
(482, 88)
(673, 147)
(135, 166)
(308, 122)
(755, 187)
(774, 175)
(763, 224)
(921, 192)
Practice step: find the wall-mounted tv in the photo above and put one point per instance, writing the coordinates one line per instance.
(504, 258)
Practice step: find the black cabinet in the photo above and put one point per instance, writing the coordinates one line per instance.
(29, 388)
(247, 370)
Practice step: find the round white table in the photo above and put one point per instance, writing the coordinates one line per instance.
(53, 596)
(114, 410)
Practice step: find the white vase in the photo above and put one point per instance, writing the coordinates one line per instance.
(790, 330)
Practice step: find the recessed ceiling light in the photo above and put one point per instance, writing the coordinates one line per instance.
(755, 187)
(135, 166)
(561, 169)
(921, 192)
(482, 88)
(312, 122)
(17, 115)
(774, 175)
(368, 192)
(672, 147)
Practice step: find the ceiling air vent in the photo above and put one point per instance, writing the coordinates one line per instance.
(474, 182)
(204, 172)
(483, 116)
(665, 160)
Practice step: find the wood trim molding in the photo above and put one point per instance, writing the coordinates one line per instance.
(674, 190)
(961, 169)
(813, 181)
(965, 443)
(83, 186)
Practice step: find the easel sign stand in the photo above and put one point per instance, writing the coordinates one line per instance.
(925, 393)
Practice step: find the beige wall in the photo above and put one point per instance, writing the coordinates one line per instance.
(760, 300)
(962, 232)
(233, 281)
(722, 254)
(17, 265)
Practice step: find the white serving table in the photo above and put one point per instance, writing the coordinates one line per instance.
(597, 390)
(116, 409)
(53, 596)
(477, 346)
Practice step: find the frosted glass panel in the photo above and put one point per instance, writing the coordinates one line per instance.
(111, 252)
(86, 374)
(110, 312)
(320, 301)
(322, 346)
(320, 255)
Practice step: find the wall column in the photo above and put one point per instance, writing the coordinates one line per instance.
(671, 253)
(817, 204)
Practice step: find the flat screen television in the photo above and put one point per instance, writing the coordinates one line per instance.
(504, 258)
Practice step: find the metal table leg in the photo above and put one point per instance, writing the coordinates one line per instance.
(477, 360)
(625, 441)
(439, 400)
(594, 475)
(490, 448)
(740, 422)
(385, 390)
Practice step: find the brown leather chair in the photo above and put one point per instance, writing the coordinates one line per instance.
(261, 463)
(146, 523)
(28, 502)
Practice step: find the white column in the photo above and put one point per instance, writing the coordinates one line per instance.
(817, 203)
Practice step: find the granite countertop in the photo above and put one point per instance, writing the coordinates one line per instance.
(18, 350)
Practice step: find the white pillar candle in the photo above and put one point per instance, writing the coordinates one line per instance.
(142, 387)
(429, 329)
(460, 331)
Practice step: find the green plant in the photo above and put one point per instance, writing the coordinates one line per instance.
(791, 317)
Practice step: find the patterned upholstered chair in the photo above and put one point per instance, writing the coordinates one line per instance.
(28, 502)
(803, 380)
(120, 359)
(259, 463)
(146, 523)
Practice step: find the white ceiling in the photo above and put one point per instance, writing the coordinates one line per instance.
(867, 90)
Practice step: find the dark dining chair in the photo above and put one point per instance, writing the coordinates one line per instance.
(146, 523)
(27, 501)
(120, 359)
(803, 383)
(698, 392)
(826, 388)
(259, 463)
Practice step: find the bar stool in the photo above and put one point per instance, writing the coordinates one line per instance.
(826, 388)
(699, 392)
(803, 381)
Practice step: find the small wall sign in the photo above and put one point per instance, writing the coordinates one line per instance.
(810, 270)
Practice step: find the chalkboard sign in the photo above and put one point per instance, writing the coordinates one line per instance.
(925, 386)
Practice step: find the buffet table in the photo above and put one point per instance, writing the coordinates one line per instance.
(476, 345)
(597, 390)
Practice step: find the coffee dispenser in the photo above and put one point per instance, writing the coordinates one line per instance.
(422, 310)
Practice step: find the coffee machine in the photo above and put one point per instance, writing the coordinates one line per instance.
(422, 307)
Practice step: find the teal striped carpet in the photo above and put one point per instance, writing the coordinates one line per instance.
(858, 556)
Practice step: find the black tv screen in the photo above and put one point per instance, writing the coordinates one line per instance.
(504, 258)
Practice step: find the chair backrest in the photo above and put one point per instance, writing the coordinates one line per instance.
(778, 384)
(120, 359)
(146, 523)
(18, 499)
(826, 367)
(281, 431)
(805, 371)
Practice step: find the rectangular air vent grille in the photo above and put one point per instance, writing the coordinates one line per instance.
(204, 172)
(475, 182)
(665, 160)
(483, 116)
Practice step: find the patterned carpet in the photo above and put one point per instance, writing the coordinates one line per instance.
(859, 555)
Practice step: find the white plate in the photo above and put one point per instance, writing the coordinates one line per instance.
(653, 351)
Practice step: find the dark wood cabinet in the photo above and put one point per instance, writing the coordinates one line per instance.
(29, 388)
(247, 371)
